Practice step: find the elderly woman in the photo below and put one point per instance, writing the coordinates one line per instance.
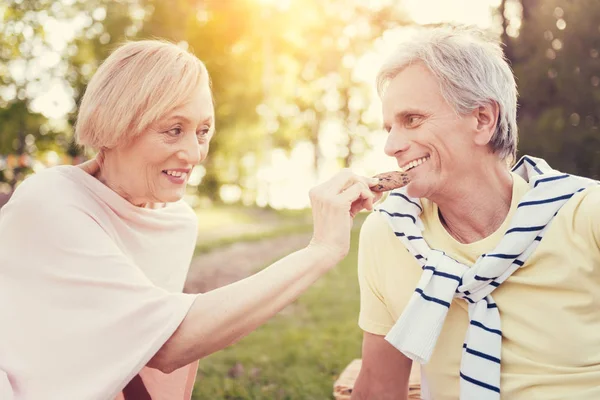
(93, 258)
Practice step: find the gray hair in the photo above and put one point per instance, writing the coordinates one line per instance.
(472, 71)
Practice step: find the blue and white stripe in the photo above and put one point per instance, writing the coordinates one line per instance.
(418, 328)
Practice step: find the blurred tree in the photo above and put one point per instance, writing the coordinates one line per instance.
(224, 35)
(327, 40)
(107, 24)
(20, 38)
(36, 57)
(556, 59)
(278, 70)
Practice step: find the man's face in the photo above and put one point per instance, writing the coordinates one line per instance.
(426, 136)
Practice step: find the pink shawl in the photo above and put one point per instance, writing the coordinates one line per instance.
(90, 289)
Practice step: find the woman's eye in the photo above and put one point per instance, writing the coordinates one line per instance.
(175, 131)
(204, 132)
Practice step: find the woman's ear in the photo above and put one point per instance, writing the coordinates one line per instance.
(487, 120)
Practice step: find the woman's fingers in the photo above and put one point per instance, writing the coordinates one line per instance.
(359, 197)
(364, 201)
(346, 178)
(354, 196)
(334, 204)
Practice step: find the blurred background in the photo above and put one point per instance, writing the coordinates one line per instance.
(293, 82)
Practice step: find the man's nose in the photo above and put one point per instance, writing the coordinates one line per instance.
(396, 142)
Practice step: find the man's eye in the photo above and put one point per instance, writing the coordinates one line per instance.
(413, 120)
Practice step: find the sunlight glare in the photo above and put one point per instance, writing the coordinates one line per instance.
(472, 12)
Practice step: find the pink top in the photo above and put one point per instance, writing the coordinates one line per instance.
(90, 289)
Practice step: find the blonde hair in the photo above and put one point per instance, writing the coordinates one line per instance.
(136, 85)
(472, 71)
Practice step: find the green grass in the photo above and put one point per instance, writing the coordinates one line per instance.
(223, 225)
(207, 246)
(223, 215)
(299, 353)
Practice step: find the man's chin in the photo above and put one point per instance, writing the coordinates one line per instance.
(417, 189)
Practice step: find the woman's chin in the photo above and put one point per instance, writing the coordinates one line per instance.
(170, 197)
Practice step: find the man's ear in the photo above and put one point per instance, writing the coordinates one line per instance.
(487, 120)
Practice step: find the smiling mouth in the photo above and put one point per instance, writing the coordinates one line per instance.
(176, 176)
(414, 163)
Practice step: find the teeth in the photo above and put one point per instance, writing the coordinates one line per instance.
(413, 164)
(176, 173)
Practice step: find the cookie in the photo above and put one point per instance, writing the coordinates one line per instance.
(390, 181)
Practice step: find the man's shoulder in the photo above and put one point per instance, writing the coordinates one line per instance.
(375, 224)
(379, 247)
(586, 210)
(377, 231)
(580, 216)
(591, 196)
(585, 203)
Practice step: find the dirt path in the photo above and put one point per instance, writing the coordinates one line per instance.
(232, 263)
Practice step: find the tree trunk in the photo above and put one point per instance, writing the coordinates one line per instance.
(314, 139)
(504, 36)
(18, 171)
(348, 159)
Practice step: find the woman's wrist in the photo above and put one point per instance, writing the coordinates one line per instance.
(326, 256)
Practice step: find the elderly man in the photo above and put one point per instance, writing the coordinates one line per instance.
(486, 275)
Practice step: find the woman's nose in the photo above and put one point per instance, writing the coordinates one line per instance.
(192, 151)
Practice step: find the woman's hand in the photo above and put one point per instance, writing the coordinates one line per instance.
(334, 205)
(224, 315)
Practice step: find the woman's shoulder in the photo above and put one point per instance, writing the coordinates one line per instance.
(46, 198)
(183, 212)
(51, 185)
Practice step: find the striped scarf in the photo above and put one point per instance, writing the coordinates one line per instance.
(418, 328)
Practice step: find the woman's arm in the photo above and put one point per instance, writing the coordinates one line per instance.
(225, 315)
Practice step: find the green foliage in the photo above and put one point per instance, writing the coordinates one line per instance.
(271, 67)
(19, 128)
(24, 38)
(281, 70)
(558, 73)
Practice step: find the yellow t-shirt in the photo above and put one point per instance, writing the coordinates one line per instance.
(549, 308)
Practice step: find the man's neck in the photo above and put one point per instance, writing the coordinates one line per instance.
(478, 205)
